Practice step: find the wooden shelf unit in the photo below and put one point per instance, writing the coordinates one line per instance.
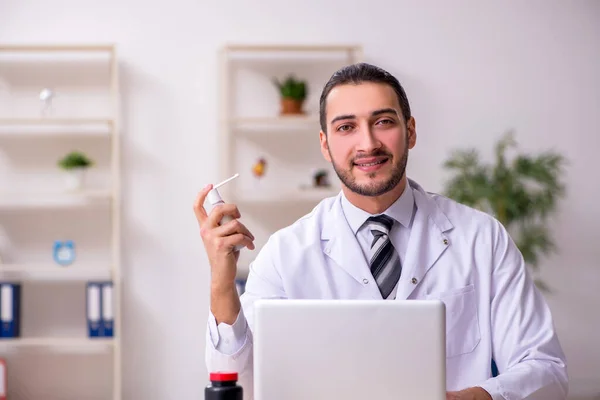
(98, 120)
(285, 138)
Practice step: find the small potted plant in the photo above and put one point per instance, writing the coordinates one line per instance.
(293, 93)
(75, 164)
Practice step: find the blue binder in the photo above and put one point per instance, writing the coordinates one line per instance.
(94, 309)
(108, 320)
(10, 310)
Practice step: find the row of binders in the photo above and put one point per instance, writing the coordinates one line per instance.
(99, 309)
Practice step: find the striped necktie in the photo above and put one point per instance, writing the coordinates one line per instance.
(385, 261)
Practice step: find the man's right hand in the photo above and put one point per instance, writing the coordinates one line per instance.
(219, 242)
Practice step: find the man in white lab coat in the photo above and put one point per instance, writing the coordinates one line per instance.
(385, 237)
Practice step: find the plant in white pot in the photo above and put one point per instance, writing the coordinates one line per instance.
(75, 164)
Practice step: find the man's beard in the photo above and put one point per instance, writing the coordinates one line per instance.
(373, 189)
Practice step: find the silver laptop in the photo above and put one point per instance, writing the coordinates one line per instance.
(349, 349)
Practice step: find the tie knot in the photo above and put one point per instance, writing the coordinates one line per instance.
(381, 223)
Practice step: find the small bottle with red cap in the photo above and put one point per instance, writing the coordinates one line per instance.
(223, 386)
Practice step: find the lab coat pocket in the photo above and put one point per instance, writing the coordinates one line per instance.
(462, 323)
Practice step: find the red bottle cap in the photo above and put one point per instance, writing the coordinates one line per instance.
(223, 376)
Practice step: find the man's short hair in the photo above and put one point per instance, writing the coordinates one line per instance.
(359, 73)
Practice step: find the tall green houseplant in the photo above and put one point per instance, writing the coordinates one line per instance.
(522, 193)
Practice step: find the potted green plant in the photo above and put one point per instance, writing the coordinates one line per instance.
(293, 93)
(75, 165)
(521, 193)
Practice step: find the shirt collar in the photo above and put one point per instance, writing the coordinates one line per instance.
(401, 210)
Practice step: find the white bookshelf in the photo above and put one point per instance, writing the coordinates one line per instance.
(35, 210)
(252, 127)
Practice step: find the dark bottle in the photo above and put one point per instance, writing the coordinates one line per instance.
(223, 386)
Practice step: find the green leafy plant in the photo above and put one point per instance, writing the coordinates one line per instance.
(522, 193)
(292, 88)
(74, 159)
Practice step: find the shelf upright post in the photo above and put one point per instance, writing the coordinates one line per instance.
(116, 223)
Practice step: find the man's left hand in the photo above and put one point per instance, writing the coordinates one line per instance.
(475, 393)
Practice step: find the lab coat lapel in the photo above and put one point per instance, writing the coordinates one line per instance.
(343, 248)
(426, 244)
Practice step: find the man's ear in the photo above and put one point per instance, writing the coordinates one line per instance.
(411, 131)
(324, 146)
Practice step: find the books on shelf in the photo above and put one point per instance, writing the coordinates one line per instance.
(100, 312)
(10, 309)
(100, 316)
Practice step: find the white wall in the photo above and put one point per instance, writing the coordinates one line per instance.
(471, 70)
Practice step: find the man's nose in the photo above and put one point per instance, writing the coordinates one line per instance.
(368, 140)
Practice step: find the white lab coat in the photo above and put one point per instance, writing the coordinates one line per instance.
(457, 254)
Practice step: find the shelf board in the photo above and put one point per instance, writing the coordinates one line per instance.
(54, 121)
(56, 47)
(292, 47)
(292, 53)
(312, 195)
(62, 342)
(55, 127)
(53, 272)
(16, 201)
(262, 125)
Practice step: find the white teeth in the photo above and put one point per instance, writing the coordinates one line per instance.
(371, 164)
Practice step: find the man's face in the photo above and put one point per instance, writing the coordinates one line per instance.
(367, 140)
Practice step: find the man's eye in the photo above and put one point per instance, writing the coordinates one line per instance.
(344, 128)
(386, 121)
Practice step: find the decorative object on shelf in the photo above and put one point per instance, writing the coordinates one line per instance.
(46, 97)
(260, 167)
(292, 92)
(75, 164)
(521, 194)
(10, 312)
(64, 252)
(321, 179)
